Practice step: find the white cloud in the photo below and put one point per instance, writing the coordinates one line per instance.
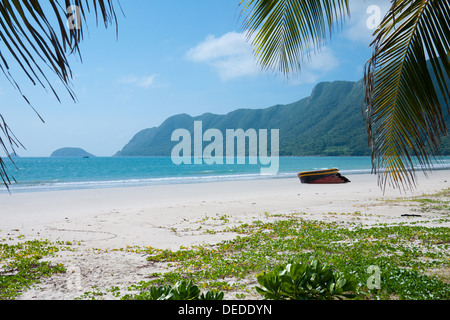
(142, 81)
(365, 17)
(322, 61)
(230, 55)
(316, 67)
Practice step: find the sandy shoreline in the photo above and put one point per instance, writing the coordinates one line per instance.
(170, 216)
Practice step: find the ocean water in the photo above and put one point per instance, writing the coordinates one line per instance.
(44, 174)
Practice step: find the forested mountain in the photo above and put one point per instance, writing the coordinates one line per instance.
(328, 123)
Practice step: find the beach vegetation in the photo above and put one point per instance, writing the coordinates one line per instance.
(404, 255)
(23, 265)
(432, 203)
(309, 281)
(402, 260)
(408, 256)
(182, 290)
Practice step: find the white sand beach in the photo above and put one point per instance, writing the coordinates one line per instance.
(170, 216)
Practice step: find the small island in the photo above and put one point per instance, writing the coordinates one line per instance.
(71, 153)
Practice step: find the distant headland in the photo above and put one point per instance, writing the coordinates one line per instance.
(71, 153)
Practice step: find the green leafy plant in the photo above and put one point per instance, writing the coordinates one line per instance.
(182, 290)
(312, 281)
(22, 266)
(212, 295)
(413, 258)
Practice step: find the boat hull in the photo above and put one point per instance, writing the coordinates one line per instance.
(330, 176)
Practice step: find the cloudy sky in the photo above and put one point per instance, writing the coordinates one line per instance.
(171, 57)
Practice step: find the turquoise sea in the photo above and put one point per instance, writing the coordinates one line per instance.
(44, 174)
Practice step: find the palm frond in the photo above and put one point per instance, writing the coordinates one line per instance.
(14, 143)
(404, 116)
(284, 32)
(36, 38)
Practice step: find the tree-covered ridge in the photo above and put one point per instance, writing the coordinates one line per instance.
(327, 123)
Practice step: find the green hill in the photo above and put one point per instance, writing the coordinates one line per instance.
(328, 123)
(71, 153)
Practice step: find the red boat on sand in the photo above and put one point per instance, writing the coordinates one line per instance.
(329, 176)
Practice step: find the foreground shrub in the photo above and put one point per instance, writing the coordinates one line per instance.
(312, 281)
(182, 290)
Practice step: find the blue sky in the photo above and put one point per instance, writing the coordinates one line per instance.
(171, 57)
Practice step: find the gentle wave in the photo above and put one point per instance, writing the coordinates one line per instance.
(115, 173)
(46, 186)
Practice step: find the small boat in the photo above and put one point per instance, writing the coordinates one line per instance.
(329, 176)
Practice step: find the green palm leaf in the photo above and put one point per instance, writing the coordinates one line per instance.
(404, 116)
(36, 36)
(283, 32)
